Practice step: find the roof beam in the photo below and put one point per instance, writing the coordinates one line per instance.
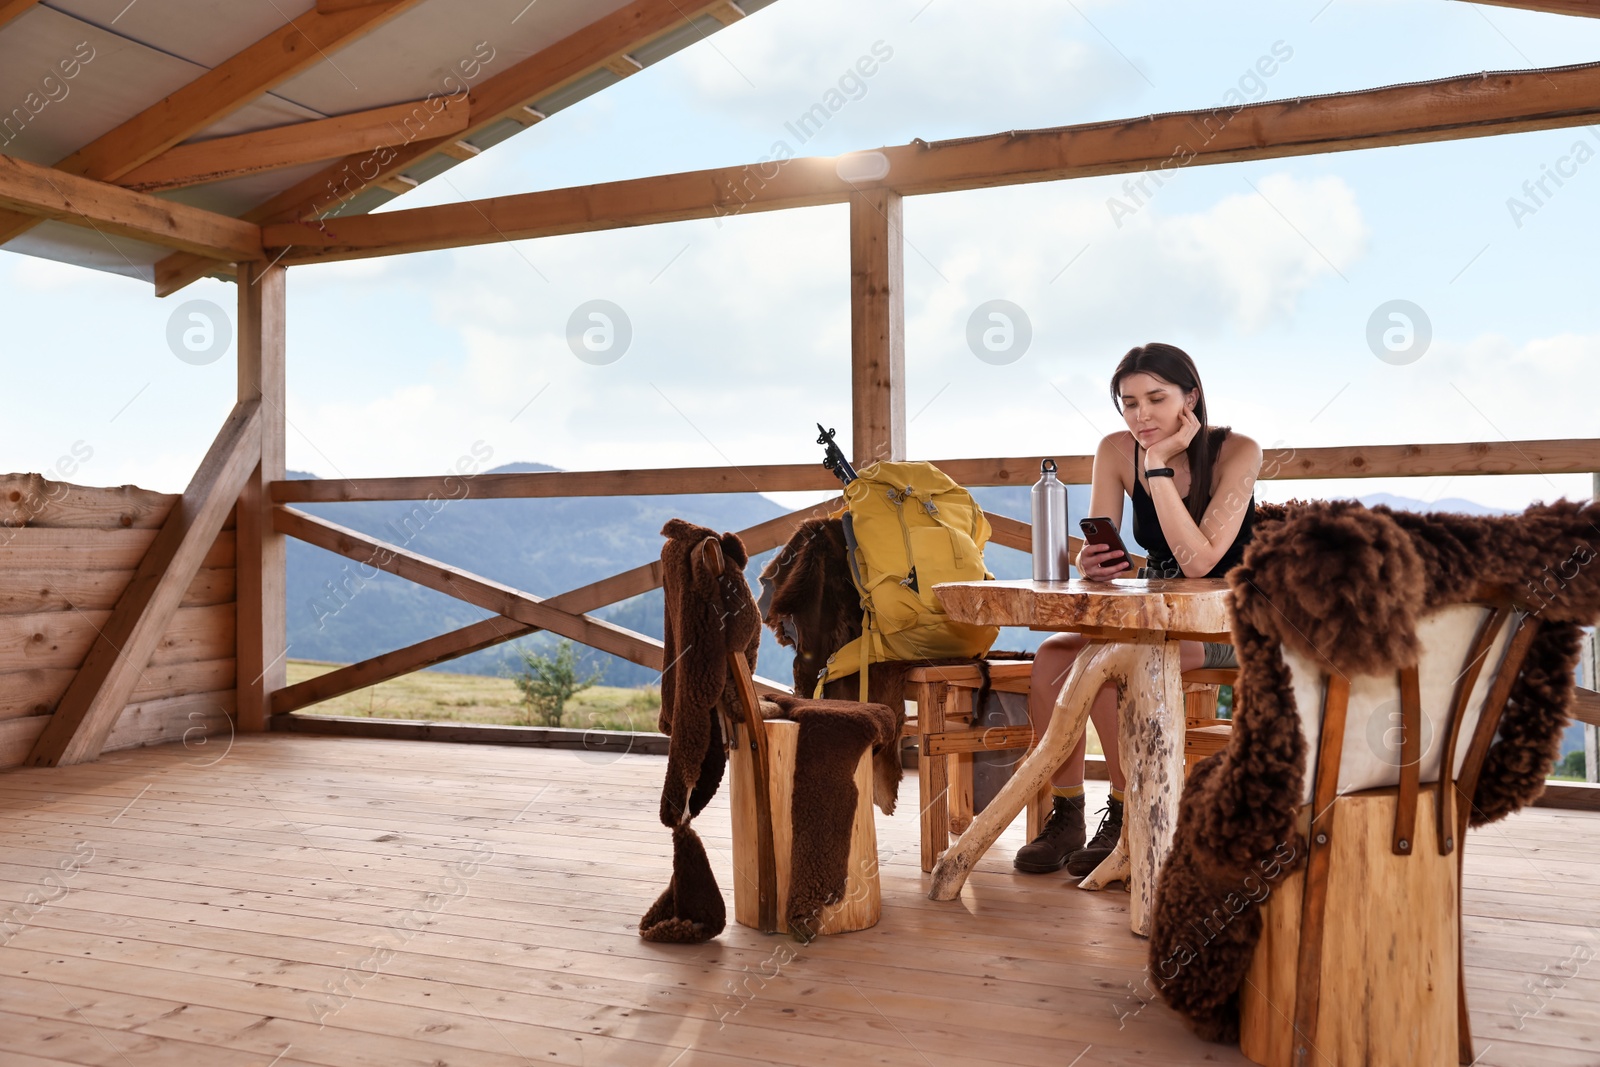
(502, 95)
(1474, 105)
(10, 9)
(38, 193)
(1586, 8)
(299, 44)
(296, 143)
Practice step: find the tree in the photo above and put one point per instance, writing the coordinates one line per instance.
(548, 682)
(1570, 766)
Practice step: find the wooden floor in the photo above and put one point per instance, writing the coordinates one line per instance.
(332, 901)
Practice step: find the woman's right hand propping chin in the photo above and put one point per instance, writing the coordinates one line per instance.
(1101, 563)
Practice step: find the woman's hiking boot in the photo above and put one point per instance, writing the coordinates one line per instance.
(1062, 835)
(1082, 863)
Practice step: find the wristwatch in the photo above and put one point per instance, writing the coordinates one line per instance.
(1159, 472)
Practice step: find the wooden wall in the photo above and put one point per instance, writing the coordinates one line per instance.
(66, 554)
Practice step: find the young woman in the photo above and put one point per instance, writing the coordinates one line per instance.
(1193, 492)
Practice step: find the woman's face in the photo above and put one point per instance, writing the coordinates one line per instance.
(1153, 407)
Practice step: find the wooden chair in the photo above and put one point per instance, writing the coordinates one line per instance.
(947, 741)
(1360, 955)
(761, 760)
(1205, 732)
(761, 763)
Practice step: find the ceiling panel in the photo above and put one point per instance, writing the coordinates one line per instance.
(204, 32)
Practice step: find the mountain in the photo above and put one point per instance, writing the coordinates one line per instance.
(1449, 503)
(543, 546)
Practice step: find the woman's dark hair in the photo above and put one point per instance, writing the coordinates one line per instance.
(1172, 364)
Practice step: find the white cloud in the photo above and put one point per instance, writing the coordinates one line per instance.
(741, 331)
(936, 69)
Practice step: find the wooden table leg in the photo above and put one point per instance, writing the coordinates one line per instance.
(1150, 728)
(1097, 662)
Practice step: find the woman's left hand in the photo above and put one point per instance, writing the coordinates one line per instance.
(1160, 453)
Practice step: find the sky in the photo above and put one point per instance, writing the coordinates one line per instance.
(1275, 275)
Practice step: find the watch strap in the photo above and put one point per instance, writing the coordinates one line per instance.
(1159, 472)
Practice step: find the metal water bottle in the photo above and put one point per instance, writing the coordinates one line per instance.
(1050, 545)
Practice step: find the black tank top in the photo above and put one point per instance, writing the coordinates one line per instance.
(1147, 531)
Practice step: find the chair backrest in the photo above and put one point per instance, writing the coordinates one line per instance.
(1432, 723)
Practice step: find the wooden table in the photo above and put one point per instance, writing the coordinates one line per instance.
(1134, 626)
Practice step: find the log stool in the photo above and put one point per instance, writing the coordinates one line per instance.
(1360, 955)
(861, 905)
(1390, 960)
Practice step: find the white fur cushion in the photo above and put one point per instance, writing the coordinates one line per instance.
(1371, 756)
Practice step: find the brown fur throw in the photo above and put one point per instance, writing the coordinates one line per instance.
(1350, 583)
(833, 735)
(707, 616)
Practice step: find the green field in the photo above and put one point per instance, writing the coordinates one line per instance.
(433, 696)
(439, 697)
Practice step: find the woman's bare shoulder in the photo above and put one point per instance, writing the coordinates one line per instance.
(1239, 448)
(1117, 444)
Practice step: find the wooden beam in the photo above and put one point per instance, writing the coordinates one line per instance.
(497, 630)
(262, 553)
(1476, 105)
(333, 7)
(39, 192)
(1013, 533)
(10, 9)
(505, 94)
(468, 587)
(293, 47)
(877, 327)
(101, 688)
(1574, 796)
(296, 144)
(1584, 8)
(1585, 706)
(1562, 456)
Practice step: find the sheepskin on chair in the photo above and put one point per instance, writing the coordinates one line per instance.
(707, 616)
(1348, 583)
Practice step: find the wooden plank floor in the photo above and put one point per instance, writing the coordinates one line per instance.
(334, 901)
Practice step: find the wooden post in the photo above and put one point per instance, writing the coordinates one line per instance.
(877, 327)
(1591, 673)
(1591, 734)
(262, 550)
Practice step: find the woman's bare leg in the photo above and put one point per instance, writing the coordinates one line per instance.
(1103, 713)
(1050, 666)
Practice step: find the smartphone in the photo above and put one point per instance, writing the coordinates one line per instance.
(1101, 531)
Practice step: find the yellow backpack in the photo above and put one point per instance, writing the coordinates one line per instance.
(909, 527)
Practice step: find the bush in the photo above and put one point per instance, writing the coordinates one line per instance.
(1569, 766)
(548, 682)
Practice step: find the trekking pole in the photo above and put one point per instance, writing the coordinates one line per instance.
(834, 460)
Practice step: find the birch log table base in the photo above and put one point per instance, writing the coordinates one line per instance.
(1098, 663)
(1135, 628)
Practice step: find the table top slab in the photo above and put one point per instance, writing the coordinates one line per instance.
(1124, 605)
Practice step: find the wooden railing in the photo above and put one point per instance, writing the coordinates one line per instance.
(1572, 456)
(521, 613)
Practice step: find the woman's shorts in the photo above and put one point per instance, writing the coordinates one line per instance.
(1219, 655)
